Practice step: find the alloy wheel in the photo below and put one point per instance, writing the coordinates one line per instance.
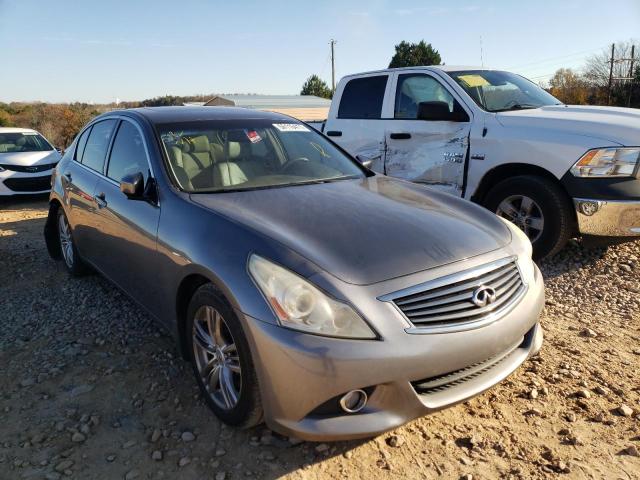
(216, 357)
(66, 242)
(525, 213)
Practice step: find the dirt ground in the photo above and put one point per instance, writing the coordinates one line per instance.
(91, 389)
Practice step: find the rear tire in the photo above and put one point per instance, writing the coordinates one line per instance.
(70, 256)
(221, 359)
(537, 206)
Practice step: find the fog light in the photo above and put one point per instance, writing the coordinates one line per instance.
(589, 208)
(353, 401)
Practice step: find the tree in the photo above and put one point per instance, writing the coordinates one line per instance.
(316, 86)
(415, 54)
(568, 87)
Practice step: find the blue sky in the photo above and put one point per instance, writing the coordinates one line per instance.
(97, 51)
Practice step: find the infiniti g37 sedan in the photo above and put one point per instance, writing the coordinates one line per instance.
(307, 291)
(26, 162)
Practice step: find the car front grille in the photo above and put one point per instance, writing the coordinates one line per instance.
(29, 184)
(29, 168)
(449, 301)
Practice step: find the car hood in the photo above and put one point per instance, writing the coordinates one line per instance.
(612, 124)
(29, 158)
(366, 231)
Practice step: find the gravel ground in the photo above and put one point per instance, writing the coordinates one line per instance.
(92, 389)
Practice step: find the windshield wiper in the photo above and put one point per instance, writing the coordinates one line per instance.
(517, 106)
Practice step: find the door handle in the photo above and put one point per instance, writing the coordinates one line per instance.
(334, 133)
(100, 200)
(400, 136)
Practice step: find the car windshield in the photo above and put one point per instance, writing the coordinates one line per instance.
(23, 142)
(211, 156)
(502, 91)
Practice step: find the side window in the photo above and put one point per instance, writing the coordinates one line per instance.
(82, 141)
(96, 149)
(413, 89)
(128, 155)
(362, 97)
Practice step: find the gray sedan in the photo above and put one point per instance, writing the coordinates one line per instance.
(306, 291)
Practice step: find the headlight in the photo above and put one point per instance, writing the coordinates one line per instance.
(301, 306)
(607, 162)
(524, 250)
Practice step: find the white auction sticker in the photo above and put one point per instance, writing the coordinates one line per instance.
(291, 127)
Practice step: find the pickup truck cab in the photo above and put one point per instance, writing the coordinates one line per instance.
(493, 137)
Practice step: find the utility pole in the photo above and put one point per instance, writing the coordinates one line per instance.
(481, 56)
(333, 67)
(613, 49)
(631, 77)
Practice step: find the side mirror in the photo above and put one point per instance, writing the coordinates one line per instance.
(133, 186)
(364, 161)
(439, 112)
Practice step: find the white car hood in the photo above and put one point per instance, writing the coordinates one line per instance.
(611, 124)
(27, 159)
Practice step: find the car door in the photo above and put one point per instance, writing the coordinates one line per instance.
(426, 151)
(129, 227)
(356, 125)
(79, 180)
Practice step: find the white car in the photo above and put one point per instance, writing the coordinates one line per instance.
(26, 162)
(498, 139)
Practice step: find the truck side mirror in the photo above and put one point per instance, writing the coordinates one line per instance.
(439, 112)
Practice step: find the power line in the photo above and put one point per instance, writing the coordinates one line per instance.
(584, 52)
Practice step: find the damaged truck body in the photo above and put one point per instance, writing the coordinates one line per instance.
(496, 138)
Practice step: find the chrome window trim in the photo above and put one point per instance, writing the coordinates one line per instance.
(102, 175)
(491, 317)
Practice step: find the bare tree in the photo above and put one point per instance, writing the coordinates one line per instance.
(596, 70)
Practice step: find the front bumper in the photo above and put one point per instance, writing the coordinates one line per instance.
(298, 373)
(609, 218)
(24, 183)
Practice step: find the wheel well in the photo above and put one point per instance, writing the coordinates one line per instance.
(187, 288)
(502, 172)
(51, 238)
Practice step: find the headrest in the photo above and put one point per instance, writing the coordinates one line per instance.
(195, 144)
(21, 141)
(234, 150)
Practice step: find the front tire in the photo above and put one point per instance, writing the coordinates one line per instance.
(539, 207)
(221, 359)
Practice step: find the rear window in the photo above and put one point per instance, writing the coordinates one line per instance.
(23, 142)
(362, 98)
(97, 144)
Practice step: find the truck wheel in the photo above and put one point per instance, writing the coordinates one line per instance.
(539, 207)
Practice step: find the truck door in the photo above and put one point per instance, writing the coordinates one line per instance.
(355, 123)
(433, 152)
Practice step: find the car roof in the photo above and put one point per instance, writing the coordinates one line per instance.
(16, 130)
(444, 68)
(195, 113)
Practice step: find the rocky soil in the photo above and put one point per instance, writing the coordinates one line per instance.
(91, 389)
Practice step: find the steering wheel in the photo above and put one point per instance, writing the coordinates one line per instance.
(292, 163)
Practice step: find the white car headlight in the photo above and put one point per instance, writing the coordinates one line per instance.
(301, 306)
(607, 162)
(524, 250)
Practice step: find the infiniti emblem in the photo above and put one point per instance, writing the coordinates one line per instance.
(483, 296)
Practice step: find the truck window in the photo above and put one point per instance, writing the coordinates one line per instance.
(362, 98)
(415, 88)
